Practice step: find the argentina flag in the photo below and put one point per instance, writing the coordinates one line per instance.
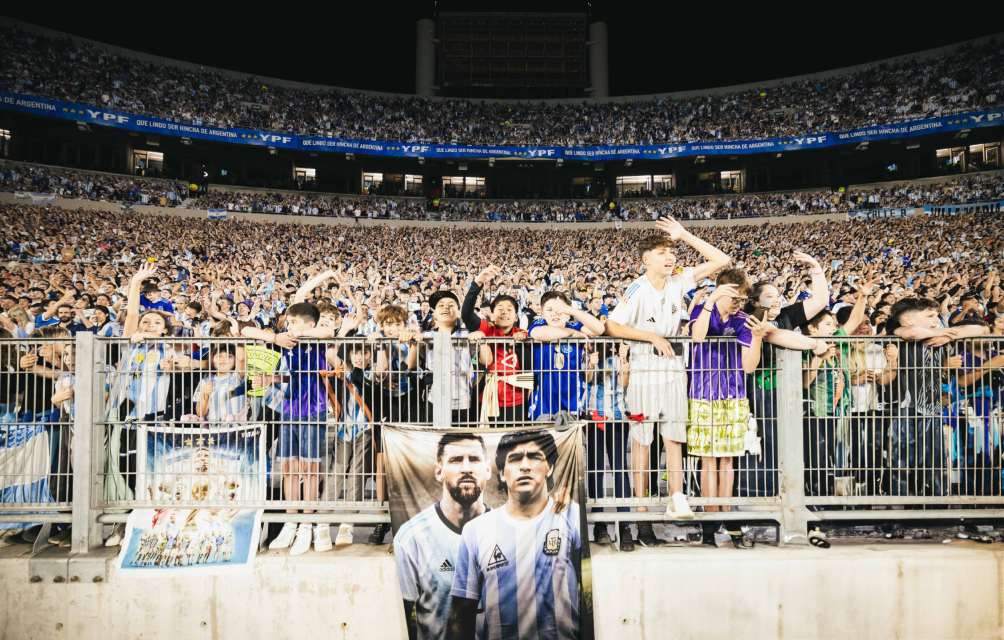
(24, 464)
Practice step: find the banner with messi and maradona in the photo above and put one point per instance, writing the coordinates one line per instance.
(489, 531)
(46, 107)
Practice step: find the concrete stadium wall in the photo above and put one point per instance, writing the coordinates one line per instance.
(916, 591)
(92, 205)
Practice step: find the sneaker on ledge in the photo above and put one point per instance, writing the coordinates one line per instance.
(379, 533)
(301, 543)
(678, 509)
(322, 537)
(284, 539)
(344, 537)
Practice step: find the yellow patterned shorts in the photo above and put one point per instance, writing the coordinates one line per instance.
(718, 427)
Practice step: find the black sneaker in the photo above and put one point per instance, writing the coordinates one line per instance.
(708, 530)
(28, 535)
(626, 540)
(600, 535)
(379, 533)
(646, 536)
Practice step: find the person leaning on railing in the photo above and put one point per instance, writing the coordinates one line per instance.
(873, 366)
(916, 437)
(718, 407)
(978, 390)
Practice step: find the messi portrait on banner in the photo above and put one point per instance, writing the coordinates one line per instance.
(217, 465)
(489, 533)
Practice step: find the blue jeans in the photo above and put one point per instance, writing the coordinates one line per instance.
(917, 456)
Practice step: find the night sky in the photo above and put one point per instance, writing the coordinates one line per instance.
(650, 50)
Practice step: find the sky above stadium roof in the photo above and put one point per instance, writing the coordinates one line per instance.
(653, 47)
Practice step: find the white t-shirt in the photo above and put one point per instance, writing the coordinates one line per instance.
(659, 312)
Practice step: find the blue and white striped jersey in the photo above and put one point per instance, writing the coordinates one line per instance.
(523, 572)
(227, 400)
(142, 380)
(604, 396)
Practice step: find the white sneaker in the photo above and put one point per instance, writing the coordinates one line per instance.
(285, 537)
(344, 537)
(322, 537)
(301, 544)
(115, 539)
(678, 508)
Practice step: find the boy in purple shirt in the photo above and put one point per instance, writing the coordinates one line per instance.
(302, 431)
(719, 411)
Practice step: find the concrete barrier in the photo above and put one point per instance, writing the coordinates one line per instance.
(851, 591)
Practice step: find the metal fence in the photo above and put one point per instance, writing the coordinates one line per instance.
(876, 428)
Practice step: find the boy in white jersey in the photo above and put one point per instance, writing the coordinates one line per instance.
(520, 561)
(425, 547)
(651, 310)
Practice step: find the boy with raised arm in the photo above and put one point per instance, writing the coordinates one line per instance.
(652, 310)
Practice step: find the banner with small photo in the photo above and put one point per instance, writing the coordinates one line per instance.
(202, 477)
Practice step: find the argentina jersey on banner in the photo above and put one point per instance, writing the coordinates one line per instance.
(489, 532)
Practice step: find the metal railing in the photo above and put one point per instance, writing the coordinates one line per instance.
(876, 428)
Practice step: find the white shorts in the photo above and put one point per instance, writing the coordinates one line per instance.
(657, 395)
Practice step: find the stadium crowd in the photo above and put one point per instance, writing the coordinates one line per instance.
(56, 67)
(73, 183)
(143, 276)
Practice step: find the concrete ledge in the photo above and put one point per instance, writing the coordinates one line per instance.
(903, 590)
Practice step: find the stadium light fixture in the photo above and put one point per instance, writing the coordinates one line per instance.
(83, 126)
(560, 162)
(862, 146)
(186, 141)
(628, 162)
(271, 151)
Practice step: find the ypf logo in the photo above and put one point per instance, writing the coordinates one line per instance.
(415, 148)
(271, 138)
(982, 118)
(108, 117)
(540, 153)
(808, 140)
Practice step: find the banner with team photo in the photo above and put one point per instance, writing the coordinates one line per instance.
(489, 528)
(175, 541)
(217, 466)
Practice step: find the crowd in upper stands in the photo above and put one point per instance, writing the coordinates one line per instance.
(58, 67)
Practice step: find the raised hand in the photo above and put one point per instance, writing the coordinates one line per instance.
(488, 274)
(807, 260)
(147, 271)
(670, 226)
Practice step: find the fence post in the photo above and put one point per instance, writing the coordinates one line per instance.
(87, 407)
(442, 379)
(791, 462)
